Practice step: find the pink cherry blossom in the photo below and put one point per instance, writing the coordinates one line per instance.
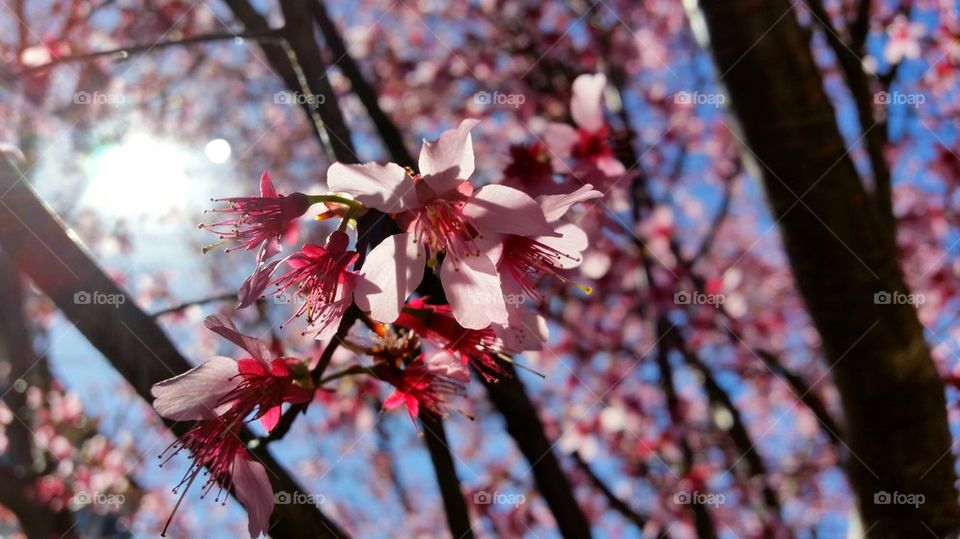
(221, 395)
(587, 146)
(904, 40)
(215, 445)
(436, 324)
(259, 223)
(322, 279)
(441, 214)
(424, 385)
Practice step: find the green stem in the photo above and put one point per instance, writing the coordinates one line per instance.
(336, 199)
(359, 369)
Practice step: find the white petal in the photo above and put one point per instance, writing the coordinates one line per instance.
(196, 393)
(454, 148)
(391, 272)
(586, 104)
(387, 188)
(572, 242)
(500, 209)
(473, 292)
(252, 485)
(555, 206)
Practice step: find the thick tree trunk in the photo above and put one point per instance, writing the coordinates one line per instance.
(841, 254)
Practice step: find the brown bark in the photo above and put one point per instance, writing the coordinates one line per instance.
(841, 255)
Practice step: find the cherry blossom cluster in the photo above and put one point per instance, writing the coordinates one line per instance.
(491, 248)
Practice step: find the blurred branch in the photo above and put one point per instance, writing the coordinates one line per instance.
(197, 302)
(127, 337)
(454, 504)
(703, 521)
(365, 91)
(707, 242)
(37, 518)
(122, 53)
(745, 444)
(523, 424)
(616, 503)
(850, 59)
(383, 443)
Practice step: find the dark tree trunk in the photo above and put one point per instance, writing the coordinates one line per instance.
(842, 254)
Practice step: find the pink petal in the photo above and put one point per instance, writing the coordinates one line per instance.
(586, 104)
(387, 188)
(500, 209)
(326, 326)
(439, 184)
(395, 400)
(392, 271)
(526, 331)
(473, 291)
(555, 206)
(454, 148)
(560, 139)
(269, 249)
(253, 286)
(611, 167)
(252, 486)
(572, 242)
(223, 326)
(196, 393)
(444, 364)
(413, 406)
(270, 419)
(266, 186)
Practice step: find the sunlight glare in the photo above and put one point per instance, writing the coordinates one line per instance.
(218, 151)
(137, 175)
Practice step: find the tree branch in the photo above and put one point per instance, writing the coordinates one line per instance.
(122, 53)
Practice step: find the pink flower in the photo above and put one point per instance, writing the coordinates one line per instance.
(215, 444)
(904, 40)
(424, 385)
(588, 145)
(323, 281)
(436, 324)
(527, 260)
(441, 213)
(221, 394)
(259, 222)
